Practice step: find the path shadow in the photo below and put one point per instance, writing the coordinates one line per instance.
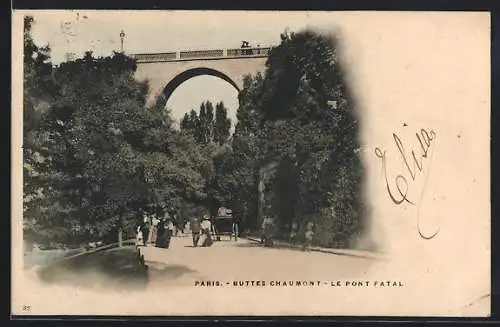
(275, 246)
(249, 245)
(47, 257)
(113, 268)
(169, 271)
(199, 246)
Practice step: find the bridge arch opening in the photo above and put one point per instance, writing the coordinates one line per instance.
(187, 90)
(194, 72)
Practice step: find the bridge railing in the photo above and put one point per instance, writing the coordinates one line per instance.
(156, 56)
(245, 52)
(202, 54)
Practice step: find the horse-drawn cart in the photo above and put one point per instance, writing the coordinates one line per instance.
(225, 225)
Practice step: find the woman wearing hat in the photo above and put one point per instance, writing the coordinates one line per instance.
(160, 234)
(145, 228)
(169, 232)
(206, 235)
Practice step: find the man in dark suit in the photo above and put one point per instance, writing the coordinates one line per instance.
(195, 225)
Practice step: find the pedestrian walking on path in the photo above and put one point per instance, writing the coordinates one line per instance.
(145, 230)
(160, 235)
(235, 229)
(195, 227)
(154, 229)
(139, 238)
(169, 232)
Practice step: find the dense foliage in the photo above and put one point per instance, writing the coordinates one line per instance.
(289, 130)
(97, 157)
(212, 133)
(207, 127)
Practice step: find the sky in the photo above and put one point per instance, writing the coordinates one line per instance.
(163, 31)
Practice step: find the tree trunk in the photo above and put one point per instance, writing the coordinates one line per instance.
(260, 198)
(120, 232)
(120, 237)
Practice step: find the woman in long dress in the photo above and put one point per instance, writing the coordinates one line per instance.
(145, 232)
(206, 228)
(154, 228)
(160, 231)
(138, 236)
(168, 233)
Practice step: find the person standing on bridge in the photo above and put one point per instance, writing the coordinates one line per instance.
(245, 45)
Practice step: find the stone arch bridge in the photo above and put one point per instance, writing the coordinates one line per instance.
(166, 71)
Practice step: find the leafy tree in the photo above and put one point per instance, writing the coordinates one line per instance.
(39, 92)
(314, 145)
(38, 86)
(184, 161)
(222, 125)
(190, 123)
(212, 133)
(245, 152)
(92, 137)
(219, 184)
(97, 157)
(205, 127)
(108, 156)
(249, 112)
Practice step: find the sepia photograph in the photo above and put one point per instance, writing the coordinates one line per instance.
(189, 163)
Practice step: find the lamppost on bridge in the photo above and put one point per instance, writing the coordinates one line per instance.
(122, 36)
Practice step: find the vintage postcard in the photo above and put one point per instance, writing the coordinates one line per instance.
(251, 163)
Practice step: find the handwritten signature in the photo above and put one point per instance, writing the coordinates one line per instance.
(414, 165)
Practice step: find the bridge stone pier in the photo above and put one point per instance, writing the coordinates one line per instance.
(166, 71)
